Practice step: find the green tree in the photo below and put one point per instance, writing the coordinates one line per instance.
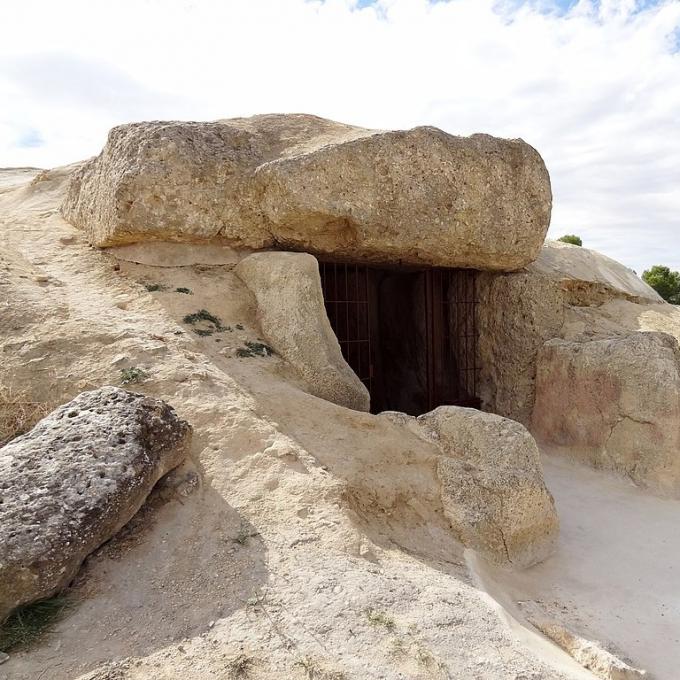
(665, 282)
(571, 238)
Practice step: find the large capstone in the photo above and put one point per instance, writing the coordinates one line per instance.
(74, 480)
(298, 182)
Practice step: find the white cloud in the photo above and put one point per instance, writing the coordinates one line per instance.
(594, 86)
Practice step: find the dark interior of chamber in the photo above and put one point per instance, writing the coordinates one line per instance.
(409, 334)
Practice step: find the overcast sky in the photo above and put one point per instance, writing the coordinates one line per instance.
(593, 85)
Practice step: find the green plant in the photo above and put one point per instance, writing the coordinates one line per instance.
(154, 287)
(571, 238)
(254, 349)
(30, 622)
(239, 326)
(665, 282)
(378, 618)
(132, 375)
(204, 316)
(182, 289)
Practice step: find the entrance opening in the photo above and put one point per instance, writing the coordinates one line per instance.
(410, 335)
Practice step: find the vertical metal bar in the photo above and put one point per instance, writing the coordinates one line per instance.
(368, 333)
(475, 334)
(430, 339)
(335, 302)
(465, 303)
(346, 304)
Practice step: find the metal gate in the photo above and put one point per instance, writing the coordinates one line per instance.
(449, 347)
(451, 303)
(345, 293)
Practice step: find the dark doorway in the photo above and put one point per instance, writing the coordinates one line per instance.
(410, 335)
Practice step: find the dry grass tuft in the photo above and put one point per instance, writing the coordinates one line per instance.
(29, 623)
(18, 414)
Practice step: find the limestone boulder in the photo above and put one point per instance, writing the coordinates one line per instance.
(492, 485)
(292, 315)
(614, 404)
(299, 182)
(517, 314)
(568, 292)
(588, 277)
(74, 480)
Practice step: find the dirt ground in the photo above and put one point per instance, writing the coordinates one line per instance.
(314, 545)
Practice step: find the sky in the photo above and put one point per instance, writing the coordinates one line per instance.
(594, 85)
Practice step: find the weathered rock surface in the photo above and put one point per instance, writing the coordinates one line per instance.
(74, 480)
(615, 404)
(492, 485)
(589, 277)
(293, 319)
(517, 314)
(591, 655)
(568, 292)
(299, 182)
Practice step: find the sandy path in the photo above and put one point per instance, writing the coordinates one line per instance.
(616, 576)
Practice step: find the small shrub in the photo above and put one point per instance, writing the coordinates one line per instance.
(377, 618)
(571, 238)
(29, 623)
(182, 289)
(154, 287)
(239, 326)
(254, 349)
(204, 316)
(18, 414)
(132, 375)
